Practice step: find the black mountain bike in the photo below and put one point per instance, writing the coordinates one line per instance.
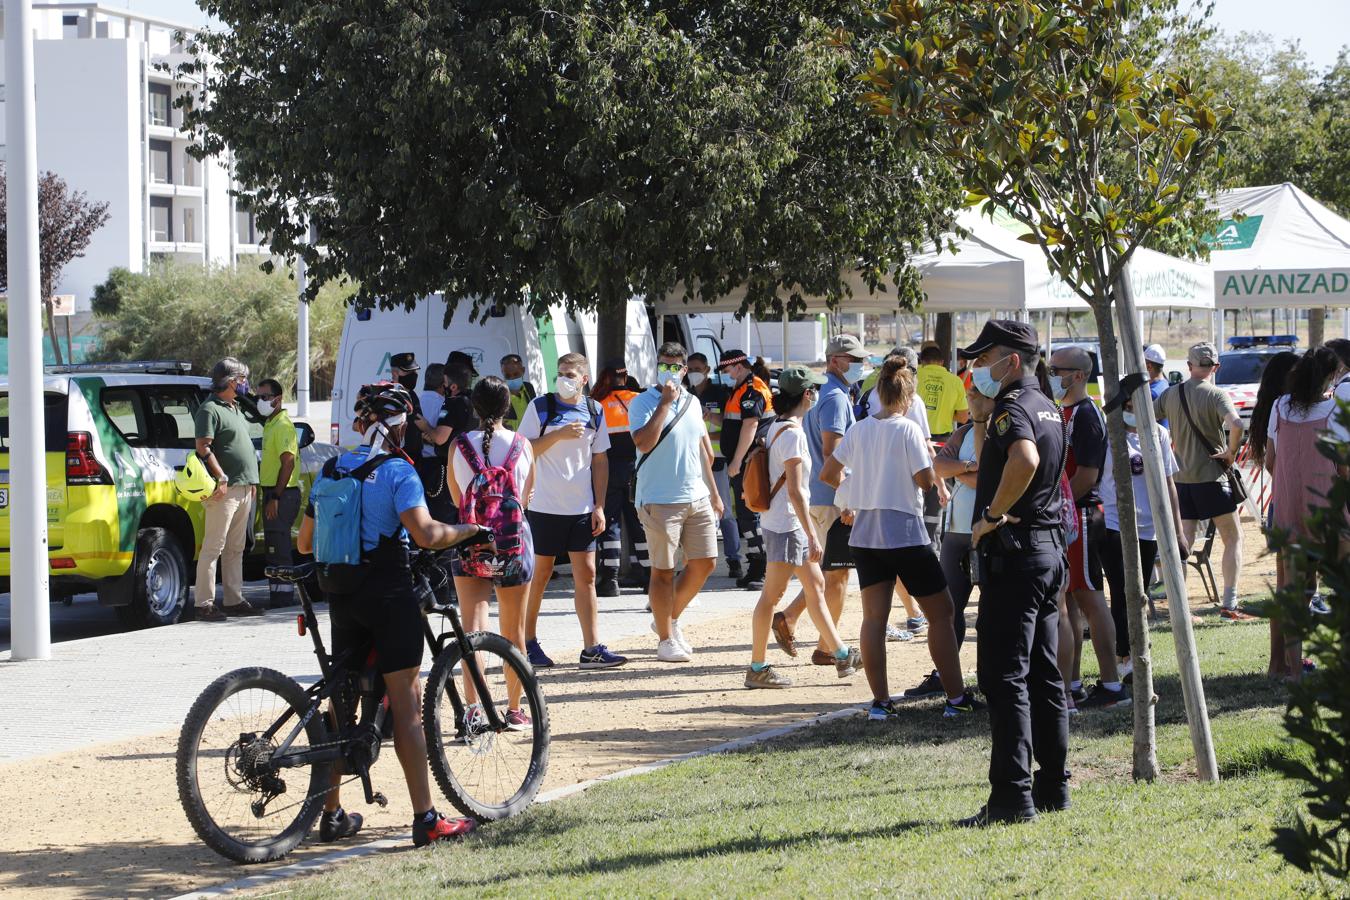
(257, 751)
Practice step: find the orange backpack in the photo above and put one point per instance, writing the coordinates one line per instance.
(755, 488)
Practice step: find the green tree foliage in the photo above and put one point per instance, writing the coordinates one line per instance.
(1319, 705)
(186, 311)
(575, 152)
(1069, 117)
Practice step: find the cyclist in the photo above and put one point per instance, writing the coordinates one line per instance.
(386, 614)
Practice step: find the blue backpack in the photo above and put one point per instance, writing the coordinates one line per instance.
(336, 497)
(548, 412)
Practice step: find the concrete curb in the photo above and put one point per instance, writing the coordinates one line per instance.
(385, 845)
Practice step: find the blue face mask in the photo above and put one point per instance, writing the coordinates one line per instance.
(720, 378)
(515, 384)
(1058, 389)
(856, 372)
(982, 377)
(1129, 419)
(663, 378)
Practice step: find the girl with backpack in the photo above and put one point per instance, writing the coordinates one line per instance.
(790, 540)
(492, 477)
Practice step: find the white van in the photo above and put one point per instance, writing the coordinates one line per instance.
(371, 337)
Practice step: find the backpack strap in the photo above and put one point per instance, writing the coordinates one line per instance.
(782, 479)
(470, 453)
(597, 414)
(362, 472)
(512, 456)
(550, 410)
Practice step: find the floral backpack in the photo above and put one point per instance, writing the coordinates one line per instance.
(492, 500)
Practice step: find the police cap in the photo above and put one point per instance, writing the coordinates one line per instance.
(1014, 335)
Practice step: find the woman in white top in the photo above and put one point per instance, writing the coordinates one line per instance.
(889, 466)
(1112, 549)
(790, 548)
(1302, 475)
(493, 444)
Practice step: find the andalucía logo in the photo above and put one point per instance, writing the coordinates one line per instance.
(1235, 235)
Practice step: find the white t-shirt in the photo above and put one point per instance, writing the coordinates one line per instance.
(883, 456)
(917, 412)
(562, 486)
(1143, 510)
(501, 445)
(1284, 412)
(790, 444)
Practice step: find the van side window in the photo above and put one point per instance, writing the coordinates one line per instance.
(126, 412)
(171, 411)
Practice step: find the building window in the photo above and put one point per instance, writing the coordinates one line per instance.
(161, 219)
(160, 104)
(244, 232)
(189, 225)
(161, 162)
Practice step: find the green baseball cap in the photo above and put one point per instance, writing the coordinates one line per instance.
(796, 379)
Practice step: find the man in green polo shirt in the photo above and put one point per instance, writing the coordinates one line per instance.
(224, 446)
(279, 475)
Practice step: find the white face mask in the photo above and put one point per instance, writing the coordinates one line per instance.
(568, 388)
(856, 372)
(697, 378)
(266, 408)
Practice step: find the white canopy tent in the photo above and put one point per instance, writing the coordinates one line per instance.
(1289, 251)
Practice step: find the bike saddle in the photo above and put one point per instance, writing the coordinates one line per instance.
(290, 574)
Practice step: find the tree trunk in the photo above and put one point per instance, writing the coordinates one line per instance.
(1136, 602)
(944, 335)
(51, 330)
(1174, 573)
(611, 319)
(1317, 321)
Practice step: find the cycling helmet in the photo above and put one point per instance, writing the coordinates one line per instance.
(193, 481)
(383, 400)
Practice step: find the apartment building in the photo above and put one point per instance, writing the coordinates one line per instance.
(106, 123)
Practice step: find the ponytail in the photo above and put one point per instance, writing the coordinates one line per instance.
(491, 400)
(895, 384)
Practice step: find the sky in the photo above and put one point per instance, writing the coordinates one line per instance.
(1318, 25)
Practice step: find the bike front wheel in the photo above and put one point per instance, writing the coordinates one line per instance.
(241, 797)
(487, 774)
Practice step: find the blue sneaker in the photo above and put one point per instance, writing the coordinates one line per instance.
(538, 658)
(1318, 606)
(963, 705)
(881, 711)
(599, 657)
(917, 624)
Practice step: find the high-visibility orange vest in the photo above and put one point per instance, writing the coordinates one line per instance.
(616, 410)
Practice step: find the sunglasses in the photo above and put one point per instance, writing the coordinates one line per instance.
(668, 367)
(1064, 370)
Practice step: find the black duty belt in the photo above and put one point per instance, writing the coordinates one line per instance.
(1013, 539)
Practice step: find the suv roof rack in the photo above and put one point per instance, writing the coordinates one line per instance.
(1245, 342)
(139, 367)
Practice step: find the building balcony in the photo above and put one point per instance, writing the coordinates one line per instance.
(164, 132)
(169, 189)
(194, 249)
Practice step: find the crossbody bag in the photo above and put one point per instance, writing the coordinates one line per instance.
(1236, 486)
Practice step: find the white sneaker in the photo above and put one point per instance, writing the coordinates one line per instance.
(669, 651)
(678, 637)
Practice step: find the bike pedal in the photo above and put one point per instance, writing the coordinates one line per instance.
(381, 799)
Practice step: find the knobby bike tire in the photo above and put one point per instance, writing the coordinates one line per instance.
(293, 829)
(437, 705)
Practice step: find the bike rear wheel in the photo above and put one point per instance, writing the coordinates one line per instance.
(486, 774)
(239, 802)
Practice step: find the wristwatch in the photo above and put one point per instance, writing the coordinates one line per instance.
(995, 520)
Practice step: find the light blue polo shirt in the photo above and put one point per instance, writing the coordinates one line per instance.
(833, 412)
(674, 474)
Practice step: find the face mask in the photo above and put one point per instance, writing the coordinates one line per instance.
(567, 387)
(266, 408)
(856, 372)
(1129, 419)
(409, 381)
(664, 378)
(697, 378)
(720, 379)
(1058, 389)
(241, 389)
(982, 377)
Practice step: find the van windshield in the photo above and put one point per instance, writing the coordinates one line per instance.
(54, 418)
(1241, 368)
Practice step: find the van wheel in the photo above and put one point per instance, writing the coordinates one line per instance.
(160, 580)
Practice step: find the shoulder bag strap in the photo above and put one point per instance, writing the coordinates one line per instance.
(782, 479)
(688, 401)
(362, 472)
(1186, 411)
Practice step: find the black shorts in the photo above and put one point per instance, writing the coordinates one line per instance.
(391, 623)
(917, 568)
(559, 535)
(837, 554)
(1205, 500)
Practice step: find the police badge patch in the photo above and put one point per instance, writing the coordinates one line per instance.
(1003, 423)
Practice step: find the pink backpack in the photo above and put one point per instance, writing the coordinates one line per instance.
(492, 499)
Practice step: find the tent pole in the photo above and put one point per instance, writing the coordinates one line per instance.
(1049, 319)
(785, 337)
(745, 334)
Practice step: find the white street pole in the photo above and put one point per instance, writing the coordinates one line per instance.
(30, 626)
(301, 345)
(786, 355)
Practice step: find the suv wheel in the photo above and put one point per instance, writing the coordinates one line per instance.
(160, 580)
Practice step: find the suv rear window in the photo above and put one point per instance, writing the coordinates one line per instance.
(54, 419)
(1241, 368)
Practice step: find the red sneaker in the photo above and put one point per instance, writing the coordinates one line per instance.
(1235, 615)
(440, 829)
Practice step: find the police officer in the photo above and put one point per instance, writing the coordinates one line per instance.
(403, 368)
(746, 414)
(1019, 544)
(612, 393)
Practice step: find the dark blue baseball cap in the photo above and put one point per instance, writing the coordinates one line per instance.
(1018, 336)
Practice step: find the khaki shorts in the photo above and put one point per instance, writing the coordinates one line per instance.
(822, 517)
(672, 527)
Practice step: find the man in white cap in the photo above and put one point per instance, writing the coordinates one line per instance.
(1154, 360)
(1207, 436)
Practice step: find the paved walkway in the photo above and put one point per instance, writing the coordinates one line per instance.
(120, 686)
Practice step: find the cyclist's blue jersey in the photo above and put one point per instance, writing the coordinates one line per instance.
(390, 491)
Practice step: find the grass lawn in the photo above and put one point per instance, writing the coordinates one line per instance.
(856, 808)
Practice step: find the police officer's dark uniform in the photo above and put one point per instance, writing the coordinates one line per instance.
(412, 441)
(1020, 569)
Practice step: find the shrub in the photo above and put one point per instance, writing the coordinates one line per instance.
(186, 311)
(1318, 715)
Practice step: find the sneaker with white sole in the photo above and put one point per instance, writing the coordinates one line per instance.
(898, 634)
(671, 652)
(765, 678)
(676, 635)
(916, 624)
(849, 664)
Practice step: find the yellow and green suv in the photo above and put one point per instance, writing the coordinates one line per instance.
(115, 436)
